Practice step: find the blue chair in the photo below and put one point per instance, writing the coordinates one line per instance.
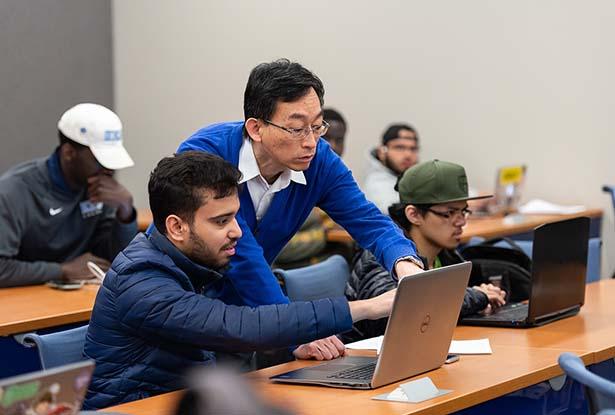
(57, 349)
(600, 392)
(326, 279)
(593, 256)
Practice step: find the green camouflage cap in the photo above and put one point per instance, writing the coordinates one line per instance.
(434, 182)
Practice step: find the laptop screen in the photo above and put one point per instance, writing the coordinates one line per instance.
(58, 391)
(559, 265)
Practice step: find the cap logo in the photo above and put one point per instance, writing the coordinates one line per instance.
(83, 130)
(113, 135)
(463, 183)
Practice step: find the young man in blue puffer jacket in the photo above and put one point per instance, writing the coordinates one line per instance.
(156, 313)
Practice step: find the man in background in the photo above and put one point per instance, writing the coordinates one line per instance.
(431, 209)
(58, 213)
(398, 152)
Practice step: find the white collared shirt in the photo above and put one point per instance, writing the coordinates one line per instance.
(260, 191)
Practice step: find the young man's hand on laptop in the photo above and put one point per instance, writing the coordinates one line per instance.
(495, 295)
(323, 349)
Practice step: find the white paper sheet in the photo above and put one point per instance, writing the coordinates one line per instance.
(373, 343)
(480, 346)
(542, 207)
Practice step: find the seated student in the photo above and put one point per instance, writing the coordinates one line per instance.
(58, 213)
(154, 315)
(398, 152)
(432, 211)
(336, 134)
(310, 243)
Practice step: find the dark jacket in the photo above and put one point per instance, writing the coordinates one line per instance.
(153, 319)
(44, 223)
(369, 279)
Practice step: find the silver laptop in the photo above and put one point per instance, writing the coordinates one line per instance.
(416, 340)
(57, 391)
(509, 183)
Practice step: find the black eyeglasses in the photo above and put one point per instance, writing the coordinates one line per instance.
(301, 133)
(451, 213)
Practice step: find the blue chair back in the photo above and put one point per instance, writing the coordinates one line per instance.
(326, 279)
(600, 392)
(593, 256)
(57, 349)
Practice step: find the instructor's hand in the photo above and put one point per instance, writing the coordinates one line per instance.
(406, 268)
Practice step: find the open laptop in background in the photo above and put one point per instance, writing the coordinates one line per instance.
(509, 184)
(559, 263)
(417, 338)
(57, 391)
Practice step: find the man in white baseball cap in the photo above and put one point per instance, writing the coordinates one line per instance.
(61, 212)
(100, 129)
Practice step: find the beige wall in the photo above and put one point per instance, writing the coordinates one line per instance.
(486, 83)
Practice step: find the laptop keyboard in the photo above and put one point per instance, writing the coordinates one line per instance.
(365, 372)
(514, 312)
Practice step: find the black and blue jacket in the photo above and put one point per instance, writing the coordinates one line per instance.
(153, 319)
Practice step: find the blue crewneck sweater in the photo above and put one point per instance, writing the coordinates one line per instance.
(330, 186)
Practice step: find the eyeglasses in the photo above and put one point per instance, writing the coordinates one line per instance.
(301, 133)
(401, 147)
(451, 213)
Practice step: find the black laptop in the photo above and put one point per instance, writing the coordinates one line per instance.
(559, 262)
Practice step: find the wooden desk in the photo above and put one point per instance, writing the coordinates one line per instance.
(491, 227)
(36, 307)
(593, 329)
(474, 379)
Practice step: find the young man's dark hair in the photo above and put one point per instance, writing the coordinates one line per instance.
(397, 212)
(176, 184)
(281, 80)
(392, 132)
(329, 114)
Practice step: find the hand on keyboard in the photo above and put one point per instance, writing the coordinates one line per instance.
(495, 295)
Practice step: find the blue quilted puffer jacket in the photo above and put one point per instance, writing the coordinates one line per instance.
(154, 318)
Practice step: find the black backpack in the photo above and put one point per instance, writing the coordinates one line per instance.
(510, 268)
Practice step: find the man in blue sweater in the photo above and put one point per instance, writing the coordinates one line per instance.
(154, 317)
(287, 171)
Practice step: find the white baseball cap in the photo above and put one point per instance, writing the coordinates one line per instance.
(100, 129)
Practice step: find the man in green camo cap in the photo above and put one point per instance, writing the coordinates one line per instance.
(432, 210)
(433, 206)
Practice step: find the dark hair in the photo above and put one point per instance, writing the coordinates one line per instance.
(329, 114)
(397, 212)
(392, 132)
(280, 80)
(65, 140)
(177, 184)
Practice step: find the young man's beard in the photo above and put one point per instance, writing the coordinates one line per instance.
(202, 254)
(390, 166)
